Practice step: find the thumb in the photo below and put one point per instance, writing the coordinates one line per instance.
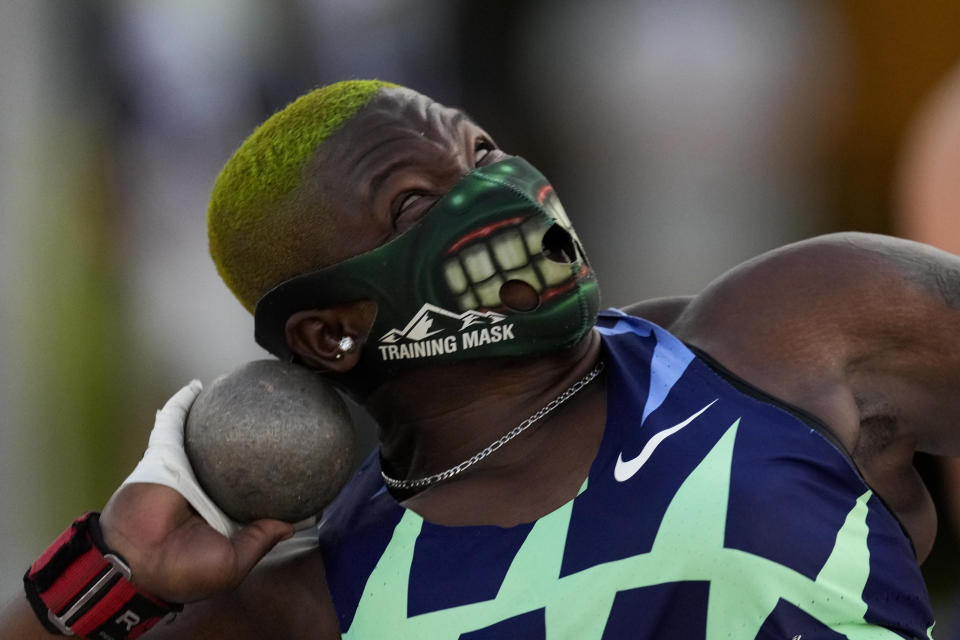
(254, 540)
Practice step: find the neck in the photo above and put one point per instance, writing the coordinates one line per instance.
(436, 417)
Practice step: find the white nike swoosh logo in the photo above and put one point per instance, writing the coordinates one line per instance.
(626, 470)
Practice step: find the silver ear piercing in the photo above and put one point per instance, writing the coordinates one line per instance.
(346, 345)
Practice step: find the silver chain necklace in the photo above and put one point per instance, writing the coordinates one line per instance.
(418, 483)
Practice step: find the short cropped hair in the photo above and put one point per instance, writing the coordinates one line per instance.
(261, 229)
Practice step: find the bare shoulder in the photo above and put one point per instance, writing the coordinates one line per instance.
(818, 275)
(836, 324)
(843, 279)
(864, 261)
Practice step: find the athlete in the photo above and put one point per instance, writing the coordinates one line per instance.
(733, 465)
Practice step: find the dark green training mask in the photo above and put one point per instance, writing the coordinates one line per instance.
(437, 286)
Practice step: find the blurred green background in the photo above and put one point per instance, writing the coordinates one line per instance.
(683, 138)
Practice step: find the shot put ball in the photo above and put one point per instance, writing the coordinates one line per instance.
(270, 439)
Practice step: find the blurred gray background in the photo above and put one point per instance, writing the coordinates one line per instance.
(682, 136)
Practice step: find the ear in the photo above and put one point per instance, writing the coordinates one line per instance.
(315, 334)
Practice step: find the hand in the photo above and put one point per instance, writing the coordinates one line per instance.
(172, 552)
(175, 553)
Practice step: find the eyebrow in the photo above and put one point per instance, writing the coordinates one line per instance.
(374, 147)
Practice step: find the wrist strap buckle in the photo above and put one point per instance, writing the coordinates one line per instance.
(96, 591)
(79, 587)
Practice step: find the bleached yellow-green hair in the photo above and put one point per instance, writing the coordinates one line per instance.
(261, 231)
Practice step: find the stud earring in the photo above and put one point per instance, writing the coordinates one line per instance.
(346, 345)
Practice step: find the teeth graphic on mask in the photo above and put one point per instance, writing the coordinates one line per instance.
(534, 238)
(478, 262)
(476, 273)
(528, 274)
(489, 291)
(468, 301)
(553, 272)
(509, 250)
(455, 276)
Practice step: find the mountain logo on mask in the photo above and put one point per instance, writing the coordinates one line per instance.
(434, 331)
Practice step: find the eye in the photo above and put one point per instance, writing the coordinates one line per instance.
(481, 150)
(410, 207)
(407, 201)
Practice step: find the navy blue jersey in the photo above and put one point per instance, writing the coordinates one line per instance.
(711, 511)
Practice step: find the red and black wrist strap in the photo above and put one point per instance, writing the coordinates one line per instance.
(79, 587)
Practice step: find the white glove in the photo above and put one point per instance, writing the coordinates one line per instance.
(165, 460)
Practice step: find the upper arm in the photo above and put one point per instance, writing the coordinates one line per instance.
(852, 327)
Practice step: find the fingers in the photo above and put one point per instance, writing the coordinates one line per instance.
(253, 541)
(168, 428)
(165, 462)
(180, 401)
